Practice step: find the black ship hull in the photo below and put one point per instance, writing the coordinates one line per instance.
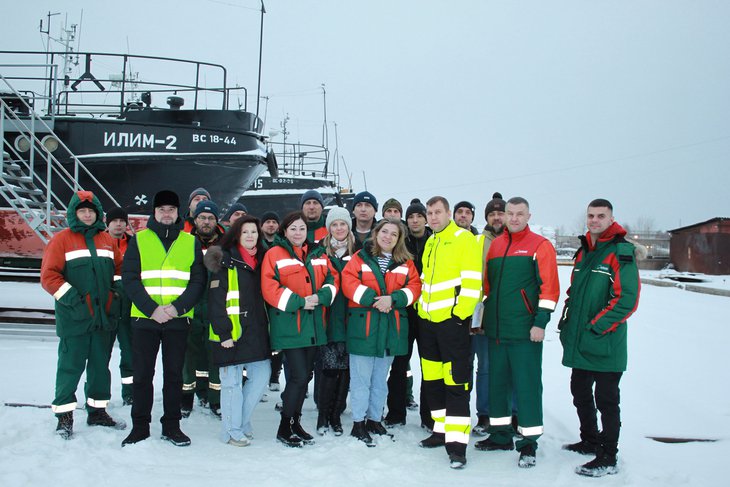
(283, 194)
(133, 160)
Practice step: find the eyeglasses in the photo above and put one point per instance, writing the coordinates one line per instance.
(205, 218)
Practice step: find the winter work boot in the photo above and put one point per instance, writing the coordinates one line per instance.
(603, 464)
(216, 410)
(361, 433)
(286, 434)
(340, 402)
(65, 425)
(137, 434)
(127, 395)
(481, 427)
(434, 441)
(307, 439)
(583, 447)
(174, 435)
(489, 445)
(390, 423)
(457, 461)
(412, 404)
(99, 417)
(323, 425)
(186, 404)
(527, 457)
(376, 428)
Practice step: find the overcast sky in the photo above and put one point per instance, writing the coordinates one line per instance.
(556, 101)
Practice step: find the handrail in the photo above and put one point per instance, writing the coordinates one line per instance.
(30, 121)
(126, 80)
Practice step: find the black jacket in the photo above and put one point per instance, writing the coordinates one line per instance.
(415, 246)
(132, 267)
(253, 345)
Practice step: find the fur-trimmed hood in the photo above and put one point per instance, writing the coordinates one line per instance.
(214, 258)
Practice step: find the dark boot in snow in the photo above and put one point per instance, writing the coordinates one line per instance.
(299, 431)
(527, 457)
(603, 464)
(490, 445)
(127, 397)
(457, 461)
(174, 435)
(481, 427)
(327, 392)
(99, 417)
(377, 428)
(286, 433)
(360, 432)
(340, 402)
(65, 425)
(323, 424)
(186, 404)
(434, 441)
(583, 447)
(138, 433)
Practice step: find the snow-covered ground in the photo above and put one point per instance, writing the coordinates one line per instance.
(676, 385)
(701, 281)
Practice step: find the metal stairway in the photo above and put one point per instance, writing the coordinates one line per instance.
(27, 190)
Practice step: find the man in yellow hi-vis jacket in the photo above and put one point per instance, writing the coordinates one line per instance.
(452, 279)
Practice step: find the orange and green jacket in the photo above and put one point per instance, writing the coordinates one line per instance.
(520, 283)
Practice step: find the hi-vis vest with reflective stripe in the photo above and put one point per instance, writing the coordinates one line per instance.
(233, 308)
(165, 275)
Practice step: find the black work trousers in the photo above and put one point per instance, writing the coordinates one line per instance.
(447, 368)
(607, 399)
(398, 379)
(300, 363)
(145, 345)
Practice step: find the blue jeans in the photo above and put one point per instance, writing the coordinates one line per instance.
(237, 401)
(368, 386)
(481, 384)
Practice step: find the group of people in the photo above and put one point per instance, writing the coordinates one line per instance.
(341, 297)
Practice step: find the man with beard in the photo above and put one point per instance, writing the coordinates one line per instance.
(312, 205)
(494, 214)
(198, 375)
(269, 228)
(464, 213)
(164, 276)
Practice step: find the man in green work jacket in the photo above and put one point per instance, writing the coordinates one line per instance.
(604, 292)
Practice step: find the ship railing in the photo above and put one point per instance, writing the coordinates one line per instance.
(125, 84)
(31, 194)
(302, 159)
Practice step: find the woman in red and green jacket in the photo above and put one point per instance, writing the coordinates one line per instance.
(380, 281)
(298, 285)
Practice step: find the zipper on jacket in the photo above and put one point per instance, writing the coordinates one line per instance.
(437, 240)
(527, 302)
